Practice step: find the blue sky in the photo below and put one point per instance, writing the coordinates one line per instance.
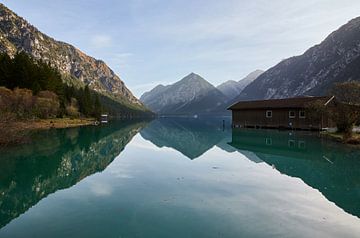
(147, 42)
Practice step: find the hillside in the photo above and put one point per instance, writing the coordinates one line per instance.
(336, 59)
(77, 68)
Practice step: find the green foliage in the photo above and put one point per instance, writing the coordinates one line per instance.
(6, 69)
(24, 72)
(85, 100)
(118, 110)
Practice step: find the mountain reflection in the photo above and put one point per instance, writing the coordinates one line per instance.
(191, 137)
(329, 167)
(57, 159)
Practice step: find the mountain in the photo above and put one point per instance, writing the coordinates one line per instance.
(152, 95)
(336, 59)
(78, 69)
(233, 88)
(191, 95)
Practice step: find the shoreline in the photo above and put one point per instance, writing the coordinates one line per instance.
(18, 132)
(339, 137)
(57, 123)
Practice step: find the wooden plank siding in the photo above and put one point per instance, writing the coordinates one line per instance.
(254, 113)
(280, 119)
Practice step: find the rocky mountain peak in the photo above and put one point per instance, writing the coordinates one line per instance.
(16, 34)
(191, 94)
(336, 59)
(232, 88)
(192, 77)
(252, 76)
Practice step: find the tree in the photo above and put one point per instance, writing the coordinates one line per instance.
(24, 102)
(47, 104)
(6, 69)
(24, 72)
(23, 75)
(97, 107)
(317, 111)
(347, 109)
(72, 108)
(85, 102)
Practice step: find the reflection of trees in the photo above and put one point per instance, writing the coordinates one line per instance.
(56, 160)
(192, 138)
(329, 167)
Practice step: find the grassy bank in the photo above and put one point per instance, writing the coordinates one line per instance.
(353, 139)
(17, 132)
(53, 123)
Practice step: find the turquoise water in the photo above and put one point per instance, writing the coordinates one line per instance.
(179, 178)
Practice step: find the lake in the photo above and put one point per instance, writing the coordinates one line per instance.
(179, 178)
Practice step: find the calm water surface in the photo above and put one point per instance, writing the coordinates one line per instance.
(179, 178)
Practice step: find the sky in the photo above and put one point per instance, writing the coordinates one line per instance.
(148, 42)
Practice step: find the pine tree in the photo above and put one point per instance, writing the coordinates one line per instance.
(6, 69)
(97, 107)
(24, 72)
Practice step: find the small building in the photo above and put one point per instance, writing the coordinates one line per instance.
(289, 113)
(104, 118)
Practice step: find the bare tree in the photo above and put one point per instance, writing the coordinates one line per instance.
(347, 110)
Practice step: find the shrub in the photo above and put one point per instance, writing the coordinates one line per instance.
(6, 99)
(23, 104)
(47, 104)
(23, 71)
(72, 109)
(347, 110)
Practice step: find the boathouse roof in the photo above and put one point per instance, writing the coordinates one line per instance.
(297, 102)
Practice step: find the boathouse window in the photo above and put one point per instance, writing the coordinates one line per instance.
(291, 114)
(269, 114)
(301, 144)
(301, 114)
(291, 143)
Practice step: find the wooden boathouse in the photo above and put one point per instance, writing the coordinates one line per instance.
(289, 113)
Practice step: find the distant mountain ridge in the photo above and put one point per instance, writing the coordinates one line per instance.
(233, 88)
(190, 95)
(16, 34)
(336, 59)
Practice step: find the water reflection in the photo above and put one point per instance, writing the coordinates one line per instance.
(330, 167)
(152, 192)
(191, 137)
(57, 159)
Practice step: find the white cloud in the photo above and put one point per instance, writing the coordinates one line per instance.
(101, 41)
(121, 60)
(220, 40)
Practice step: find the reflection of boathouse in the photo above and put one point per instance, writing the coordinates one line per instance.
(327, 166)
(291, 113)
